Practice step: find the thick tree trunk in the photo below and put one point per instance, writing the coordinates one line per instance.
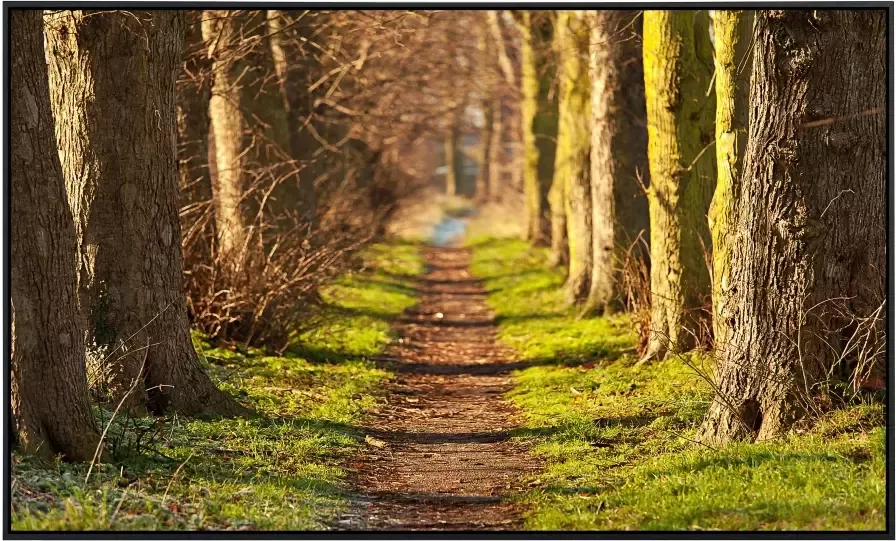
(618, 150)
(113, 83)
(534, 188)
(573, 148)
(294, 100)
(219, 33)
(810, 211)
(733, 32)
(48, 384)
(677, 73)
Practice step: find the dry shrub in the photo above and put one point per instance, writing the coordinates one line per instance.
(850, 363)
(273, 292)
(635, 281)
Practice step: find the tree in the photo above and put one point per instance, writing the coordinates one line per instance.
(452, 153)
(810, 249)
(218, 31)
(294, 98)
(572, 169)
(192, 117)
(48, 385)
(733, 31)
(485, 88)
(618, 149)
(680, 111)
(532, 111)
(497, 186)
(732, 45)
(118, 150)
(496, 29)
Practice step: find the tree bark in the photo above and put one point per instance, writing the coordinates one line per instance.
(219, 33)
(733, 32)
(618, 150)
(534, 186)
(48, 384)
(809, 250)
(573, 149)
(114, 84)
(677, 73)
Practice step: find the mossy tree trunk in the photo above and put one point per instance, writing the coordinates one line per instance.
(226, 124)
(48, 383)
(733, 32)
(680, 112)
(618, 150)
(535, 185)
(809, 252)
(127, 209)
(572, 169)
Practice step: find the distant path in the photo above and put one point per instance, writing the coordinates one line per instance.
(441, 456)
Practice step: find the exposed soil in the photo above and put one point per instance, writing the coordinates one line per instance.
(439, 456)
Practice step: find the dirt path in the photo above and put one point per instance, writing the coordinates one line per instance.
(440, 457)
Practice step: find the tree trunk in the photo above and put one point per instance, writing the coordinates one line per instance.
(733, 32)
(618, 151)
(192, 117)
(48, 384)
(497, 156)
(537, 226)
(113, 83)
(809, 251)
(293, 99)
(218, 31)
(485, 137)
(494, 23)
(677, 74)
(573, 148)
(486, 152)
(451, 154)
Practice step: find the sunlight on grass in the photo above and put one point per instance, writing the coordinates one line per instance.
(278, 469)
(619, 442)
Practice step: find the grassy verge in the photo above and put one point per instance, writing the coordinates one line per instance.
(276, 470)
(619, 442)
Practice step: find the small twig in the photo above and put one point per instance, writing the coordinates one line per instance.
(174, 477)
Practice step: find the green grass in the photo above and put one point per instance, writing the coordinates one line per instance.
(619, 442)
(279, 469)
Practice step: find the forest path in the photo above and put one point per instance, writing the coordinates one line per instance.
(439, 454)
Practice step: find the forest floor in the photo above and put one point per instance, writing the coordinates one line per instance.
(507, 412)
(282, 468)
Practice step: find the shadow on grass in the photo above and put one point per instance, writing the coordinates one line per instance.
(323, 355)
